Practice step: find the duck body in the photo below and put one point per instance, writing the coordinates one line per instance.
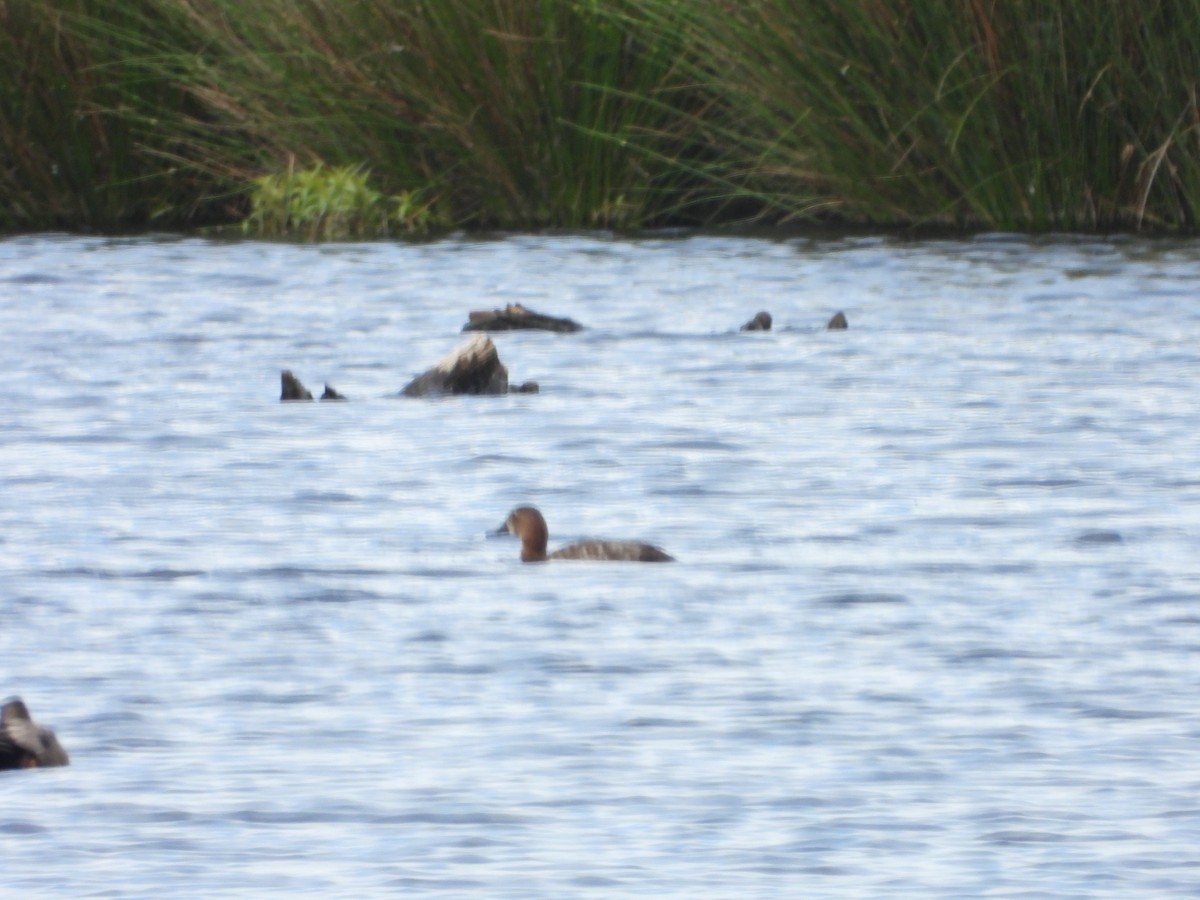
(529, 525)
(24, 744)
(620, 551)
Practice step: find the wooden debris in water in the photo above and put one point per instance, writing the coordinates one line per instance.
(516, 317)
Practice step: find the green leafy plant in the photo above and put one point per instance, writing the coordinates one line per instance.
(324, 203)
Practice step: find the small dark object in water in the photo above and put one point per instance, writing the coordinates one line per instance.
(761, 322)
(1100, 537)
(292, 388)
(23, 743)
(331, 394)
(838, 322)
(516, 317)
(529, 387)
(473, 367)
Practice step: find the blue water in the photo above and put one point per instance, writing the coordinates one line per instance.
(933, 631)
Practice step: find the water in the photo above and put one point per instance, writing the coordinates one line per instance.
(933, 630)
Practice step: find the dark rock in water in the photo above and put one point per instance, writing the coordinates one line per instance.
(514, 317)
(529, 387)
(24, 744)
(761, 322)
(838, 322)
(474, 367)
(292, 388)
(331, 394)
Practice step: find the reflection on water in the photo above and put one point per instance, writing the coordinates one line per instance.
(932, 630)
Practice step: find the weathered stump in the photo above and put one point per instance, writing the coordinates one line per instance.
(516, 317)
(24, 744)
(838, 322)
(473, 367)
(761, 322)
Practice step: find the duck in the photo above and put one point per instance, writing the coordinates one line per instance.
(528, 524)
(24, 744)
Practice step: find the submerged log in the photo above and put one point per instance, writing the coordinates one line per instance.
(473, 367)
(761, 322)
(838, 322)
(292, 388)
(515, 317)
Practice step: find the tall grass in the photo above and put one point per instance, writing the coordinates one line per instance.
(85, 139)
(1028, 114)
(511, 113)
(995, 113)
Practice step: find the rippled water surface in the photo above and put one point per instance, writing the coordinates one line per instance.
(933, 629)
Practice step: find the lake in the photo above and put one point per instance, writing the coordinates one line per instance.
(933, 629)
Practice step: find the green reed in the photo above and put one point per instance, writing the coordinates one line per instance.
(1030, 114)
(86, 140)
(1021, 114)
(513, 113)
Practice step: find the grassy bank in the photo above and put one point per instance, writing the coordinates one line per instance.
(321, 118)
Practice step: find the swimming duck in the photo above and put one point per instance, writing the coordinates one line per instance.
(23, 743)
(527, 524)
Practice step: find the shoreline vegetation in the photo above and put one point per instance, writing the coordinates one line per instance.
(324, 119)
